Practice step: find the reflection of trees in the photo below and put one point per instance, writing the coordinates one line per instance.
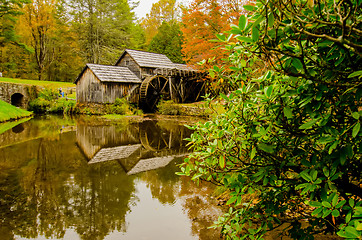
(52, 188)
(163, 183)
(42, 179)
(101, 200)
(15, 209)
(201, 209)
(56, 189)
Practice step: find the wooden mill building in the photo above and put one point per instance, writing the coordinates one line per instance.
(142, 77)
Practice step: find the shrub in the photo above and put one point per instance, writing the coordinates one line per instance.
(291, 137)
(48, 102)
(168, 108)
(122, 107)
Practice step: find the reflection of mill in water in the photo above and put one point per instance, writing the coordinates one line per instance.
(140, 147)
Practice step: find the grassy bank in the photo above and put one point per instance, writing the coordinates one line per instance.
(197, 109)
(46, 84)
(9, 112)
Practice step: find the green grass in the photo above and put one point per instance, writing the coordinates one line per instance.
(9, 112)
(46, 84)
(113, 116)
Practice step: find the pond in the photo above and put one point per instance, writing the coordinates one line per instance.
(67, 178)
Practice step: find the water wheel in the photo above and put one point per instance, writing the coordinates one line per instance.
(151, 91)
(153, 138)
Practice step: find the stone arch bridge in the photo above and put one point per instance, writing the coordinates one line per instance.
(18, 95)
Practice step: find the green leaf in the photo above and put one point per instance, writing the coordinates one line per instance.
(242, 22)
(222, 162)
(309, 124)
(244, 39)
(221, 37)
(326, 171)
(334, 145)
(315, 204)
(224, 97)
(216, 68)
(314, 174)
(326, 212)
(271, 19)
(317, 211)
(359, 226)
(250, 8)
(231, 200)
(355, 74)
(335, 200)
(252, 153)
(335, 213)
(268, 91)
(352, 232)
(242, 63)
(297, 64)
(355, 115)
(266, 148)
(288, 112)
(341, 203)
(255, 34)
(326, 204)
(356, 129)
(348, 217)
(306, 176)
(196, 176)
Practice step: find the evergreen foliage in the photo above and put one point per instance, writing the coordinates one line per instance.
(288, 148)
(168, 41)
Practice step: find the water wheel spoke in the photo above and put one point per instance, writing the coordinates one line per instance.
(164, 86)
(152, 85)
(166, 143)
(151, 89)
(158, 81)
(154, 103)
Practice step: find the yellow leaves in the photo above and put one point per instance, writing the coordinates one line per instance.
(163, 10)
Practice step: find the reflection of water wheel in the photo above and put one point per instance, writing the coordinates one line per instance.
(153, 138)
(152, 88)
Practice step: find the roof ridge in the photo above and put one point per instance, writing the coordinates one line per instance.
(144, 51)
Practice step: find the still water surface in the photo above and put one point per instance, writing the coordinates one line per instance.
(65, 178)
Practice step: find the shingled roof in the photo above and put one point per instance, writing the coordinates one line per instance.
(114, 153)
(107, 73)
(148, 59)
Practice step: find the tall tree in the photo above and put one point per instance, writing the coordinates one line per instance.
(104, 28)
(168, 41)
(41, 25)
(161, 11)
(9, 9)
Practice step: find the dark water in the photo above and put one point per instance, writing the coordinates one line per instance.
(65, 178)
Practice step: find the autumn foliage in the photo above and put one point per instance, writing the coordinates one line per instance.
(202, 20)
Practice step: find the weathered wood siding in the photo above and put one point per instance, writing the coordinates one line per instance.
(91, 90)
(92, 138)
(127, 61)
(146, 72)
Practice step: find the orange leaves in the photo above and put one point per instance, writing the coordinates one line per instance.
(202, 20)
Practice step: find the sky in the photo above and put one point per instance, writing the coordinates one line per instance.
(145, 7)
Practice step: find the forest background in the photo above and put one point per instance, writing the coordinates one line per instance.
(54, 39)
